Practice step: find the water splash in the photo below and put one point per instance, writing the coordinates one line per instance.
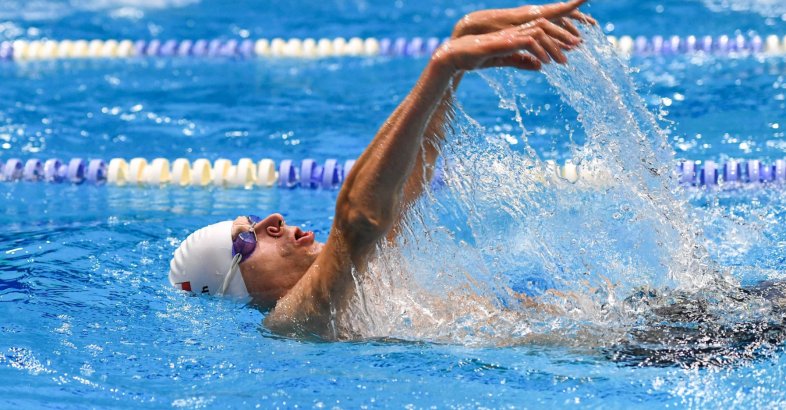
(625, 140)
(507, 253)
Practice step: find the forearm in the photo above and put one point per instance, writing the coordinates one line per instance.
(431, 147)
(373, 190)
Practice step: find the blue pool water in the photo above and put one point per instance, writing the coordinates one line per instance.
(87, 318)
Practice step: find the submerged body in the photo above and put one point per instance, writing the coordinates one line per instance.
(683, 328)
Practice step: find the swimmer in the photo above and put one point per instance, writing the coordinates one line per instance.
(304, 282)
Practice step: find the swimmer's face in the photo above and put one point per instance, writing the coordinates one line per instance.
(282, 256)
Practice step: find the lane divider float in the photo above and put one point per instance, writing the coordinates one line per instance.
(246, 173)
(731, 173)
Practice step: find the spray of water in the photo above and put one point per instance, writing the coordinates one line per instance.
(508, 253)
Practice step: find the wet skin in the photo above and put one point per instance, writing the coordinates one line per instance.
(283, 254)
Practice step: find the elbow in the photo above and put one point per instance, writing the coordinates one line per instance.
(364, 226)
(362, 223)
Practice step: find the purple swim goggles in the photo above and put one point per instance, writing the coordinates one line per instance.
(245, 243)
(242, 247)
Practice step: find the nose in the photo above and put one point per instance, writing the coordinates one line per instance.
(272, 225)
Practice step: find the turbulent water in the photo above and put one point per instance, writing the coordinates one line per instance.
(507, 252)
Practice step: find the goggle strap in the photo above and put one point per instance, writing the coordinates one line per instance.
(231, 274)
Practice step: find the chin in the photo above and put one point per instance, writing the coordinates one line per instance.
(315, 248)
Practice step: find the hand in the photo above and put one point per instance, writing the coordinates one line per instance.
(489, 21)
(526, 47)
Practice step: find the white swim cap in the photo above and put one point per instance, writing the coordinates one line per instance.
(204, 260)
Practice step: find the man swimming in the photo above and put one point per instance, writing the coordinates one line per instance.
(306, 282)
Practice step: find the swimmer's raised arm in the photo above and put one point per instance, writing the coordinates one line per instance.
(475, 23)
(372, 195)
(371, 198)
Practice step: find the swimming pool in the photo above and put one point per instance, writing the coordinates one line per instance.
(90, 321)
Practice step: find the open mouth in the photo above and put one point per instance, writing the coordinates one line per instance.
(301, 237)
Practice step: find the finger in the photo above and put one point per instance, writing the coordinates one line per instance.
(486, 48)
(521, 61)
(551, 11)
(584, 18)
(534, 47)
(563, 46)
(568, 25)
(529, 37)
(558, 32)
(552, 48)
(526, 62)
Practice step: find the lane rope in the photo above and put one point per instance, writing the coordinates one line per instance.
(310, 174)
(27, 50)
